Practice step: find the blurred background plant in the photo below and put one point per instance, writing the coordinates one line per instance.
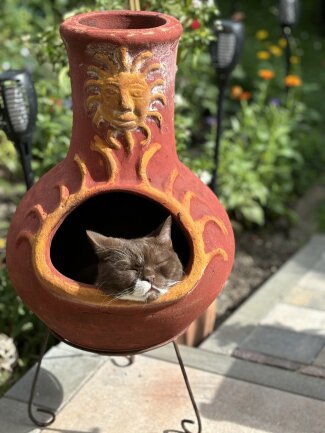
(272, 147)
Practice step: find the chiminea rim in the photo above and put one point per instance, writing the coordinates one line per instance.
(133, 26)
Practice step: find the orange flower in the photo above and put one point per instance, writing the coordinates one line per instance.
(266, 74)
(236, 91)
(245, 96)
(292, 81)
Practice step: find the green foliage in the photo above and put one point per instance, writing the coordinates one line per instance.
(259, 156)
(18, 322)
(321, 218)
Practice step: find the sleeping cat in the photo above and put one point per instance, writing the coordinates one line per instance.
(139, 269)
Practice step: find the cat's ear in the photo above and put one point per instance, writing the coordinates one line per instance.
(102, 243)
(164, 234)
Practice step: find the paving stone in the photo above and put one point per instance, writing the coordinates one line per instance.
(261, 358)
(299, 319)
(150, 396)
(320, 360)
(230, 335)
(63, 371)
(14, 417)
(260, 374)
(282, 343)
(313, 370)
(315, 278)
(309, 298)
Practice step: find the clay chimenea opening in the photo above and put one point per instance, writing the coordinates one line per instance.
(117, 214)
(123, 22)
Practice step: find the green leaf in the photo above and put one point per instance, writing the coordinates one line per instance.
(253, 213)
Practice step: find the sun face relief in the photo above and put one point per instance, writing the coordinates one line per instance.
(129, 98)
(120, 95)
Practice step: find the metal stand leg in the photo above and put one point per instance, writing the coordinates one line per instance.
(129, 358)
(31, 397)
(189, 390)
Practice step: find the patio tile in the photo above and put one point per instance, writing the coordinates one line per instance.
(309, 298)
(63, 371)
(150, 396)
(230, 335)
(320, 360)
(14, 417)
(282, 343)
(299, 319)
(315, 278)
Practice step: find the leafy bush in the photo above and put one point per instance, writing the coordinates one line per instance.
(18, 322)
(259, 156)
(263, 146)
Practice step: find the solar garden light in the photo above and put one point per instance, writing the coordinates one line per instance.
(225, 53)
(18, 109)
(288, 16)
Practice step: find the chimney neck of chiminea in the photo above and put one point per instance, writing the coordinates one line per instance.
(122, 69)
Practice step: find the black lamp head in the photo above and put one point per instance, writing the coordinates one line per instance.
(288, 12)
(18, 105)
(226, 50)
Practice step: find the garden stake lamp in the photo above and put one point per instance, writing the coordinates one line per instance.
(18, 109)
(288, 16)
(225, 53)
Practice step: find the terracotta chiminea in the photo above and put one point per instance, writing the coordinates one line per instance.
(121, 177)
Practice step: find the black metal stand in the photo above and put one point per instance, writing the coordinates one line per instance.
(130, 359)
(286, 32)
(24, 151)
(222, 84)
(32, 392)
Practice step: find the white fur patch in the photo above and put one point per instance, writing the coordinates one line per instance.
(142, 288)
(139, 293)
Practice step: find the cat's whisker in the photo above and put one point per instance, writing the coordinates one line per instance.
(127, 291)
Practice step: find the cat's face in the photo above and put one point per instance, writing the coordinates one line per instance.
(137, 269)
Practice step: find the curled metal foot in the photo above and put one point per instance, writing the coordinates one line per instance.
(129, 358)
(32, 392)
(189, 390)
(42, 410)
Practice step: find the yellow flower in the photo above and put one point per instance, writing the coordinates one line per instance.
(263, 55)
(294, 60)
(2, 243)
(275, 50)
(292, 81)
(266, 74)
(282, 42)
(261, 35)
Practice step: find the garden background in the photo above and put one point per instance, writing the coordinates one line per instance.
(272, 152)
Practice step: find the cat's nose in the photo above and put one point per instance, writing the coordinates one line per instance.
(149, 278)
